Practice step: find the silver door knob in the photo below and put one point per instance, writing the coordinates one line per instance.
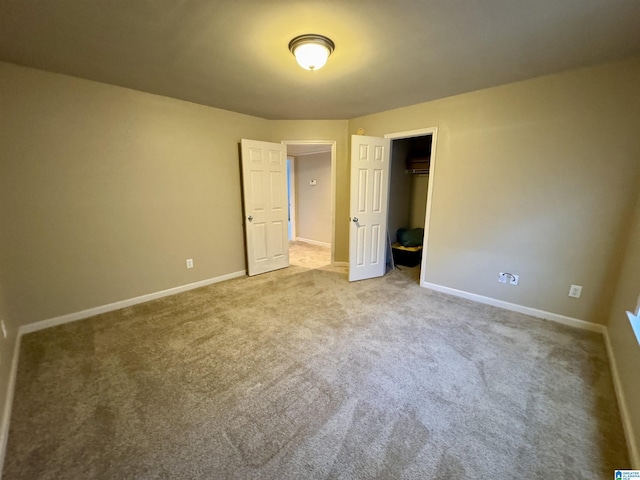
(355, 219)
(250, 218)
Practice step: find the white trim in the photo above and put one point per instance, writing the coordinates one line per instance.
(72, 317)
(310, 153)
(534, 312)
(6, 413)
(632, 445)
(294, 199)
(427, 219)
(422, 132)
(333, 144)
(312, 242)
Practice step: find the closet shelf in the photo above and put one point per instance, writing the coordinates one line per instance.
(418, 163)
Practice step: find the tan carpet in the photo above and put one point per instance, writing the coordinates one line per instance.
(299, 374)
(307, 255)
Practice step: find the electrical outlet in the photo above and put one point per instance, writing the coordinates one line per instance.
(4, 329)
(189, 262)
(575, 291)
(502, 277)
(514, 279)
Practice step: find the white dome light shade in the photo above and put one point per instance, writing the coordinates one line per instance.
(311, 51)
(311, 56)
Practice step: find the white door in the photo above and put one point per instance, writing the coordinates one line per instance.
(264, 178)
(369, 191)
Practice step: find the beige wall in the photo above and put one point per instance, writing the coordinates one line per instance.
(313, 202)
(534, 178)
(333, 130)
(623, 342)
(105, 192)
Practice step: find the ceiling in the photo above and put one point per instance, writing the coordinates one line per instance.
(297, 149)
(233, 54)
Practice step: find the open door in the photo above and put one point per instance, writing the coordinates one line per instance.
(369, 190)
(264, 178)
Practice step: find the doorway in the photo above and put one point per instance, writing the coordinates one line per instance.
(410, 192)
(311, 194)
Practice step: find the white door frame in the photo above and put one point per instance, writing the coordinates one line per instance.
(292, 208)
(332, 143)
(421, 132)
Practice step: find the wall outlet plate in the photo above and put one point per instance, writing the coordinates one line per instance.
(189, 262)
(575, 291)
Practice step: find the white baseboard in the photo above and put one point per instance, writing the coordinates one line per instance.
(72, 317)
(6, 413)
(632, 445)
(312, 242)
(534, 312)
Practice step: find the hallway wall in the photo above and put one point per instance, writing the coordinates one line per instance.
(313, 202)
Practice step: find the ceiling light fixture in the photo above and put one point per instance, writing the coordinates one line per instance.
(311, 50)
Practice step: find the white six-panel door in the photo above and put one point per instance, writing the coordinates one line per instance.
(264, 177)
(369, 191)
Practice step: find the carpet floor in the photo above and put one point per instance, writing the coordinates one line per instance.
(299, 374)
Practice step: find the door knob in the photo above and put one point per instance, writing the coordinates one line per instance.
(250, 218)
(355, 219)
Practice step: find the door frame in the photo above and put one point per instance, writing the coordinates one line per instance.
(332, 143)
(292, 191)
(421, 132)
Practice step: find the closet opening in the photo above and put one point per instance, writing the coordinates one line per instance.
(410, 181)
